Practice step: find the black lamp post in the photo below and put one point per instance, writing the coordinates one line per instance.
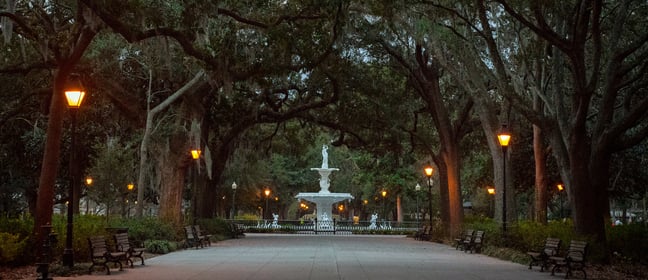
(88, 185)
(504, 136)
(384, 196)
(491, 192)
(561, 188)
(265, 210)
(74, 97)
(417, 189)
(428, 173)
(195, 155)
(234, 186)
(130, 187)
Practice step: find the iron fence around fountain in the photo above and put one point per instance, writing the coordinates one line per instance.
(336, 227)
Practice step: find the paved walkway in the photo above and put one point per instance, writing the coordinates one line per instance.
(269, 256)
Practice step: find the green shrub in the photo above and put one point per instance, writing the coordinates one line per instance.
(629, 241)
(247, 217)
(84, 226)
(217, 227)
(16, 247)
(160, 246)
(146, 228)
(22, 226)
(492, 232)
(11, 247)
(527, 235)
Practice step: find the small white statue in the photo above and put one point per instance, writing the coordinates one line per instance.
(374, 218)
(324, 156)
(275, 220)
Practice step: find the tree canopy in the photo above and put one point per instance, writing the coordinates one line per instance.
(392, 86)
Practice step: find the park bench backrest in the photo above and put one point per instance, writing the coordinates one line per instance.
(468, 235)
(552, 246)
(122, 244)
(98, 246)
(198, 231)
(478, 237)
(189, 231)
(576, 251)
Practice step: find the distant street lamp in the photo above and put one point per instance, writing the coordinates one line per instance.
(417, 188)
(88, 184)
(561, 188)
(491, 192)
(233, 200)
(504, 136)
(384, 196)
(195, 155)
(265, 210)
(428, 173)
(130, 187)
(74, 96)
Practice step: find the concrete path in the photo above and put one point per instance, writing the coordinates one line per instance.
(269, 256)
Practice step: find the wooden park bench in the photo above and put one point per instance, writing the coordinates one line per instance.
(541, 257)
(100, 255)
(236, 230)
(123, 244)
(425, 231)
(475, 243)
(574, 259)
(206, 238)
(191, 238)
(465, 237)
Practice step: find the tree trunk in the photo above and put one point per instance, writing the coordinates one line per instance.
(454, 189)
(444, 197)
(540, 200)
(52, 150)
(399, 209)
(172, 173)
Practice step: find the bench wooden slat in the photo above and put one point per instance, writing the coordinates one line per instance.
(236, 230)
(101, 255)
(204, 238)
(191, 238)
(475, 243)
(573, 260)
(550, 249)
(123, 244)
(465, 238)
(421, 232)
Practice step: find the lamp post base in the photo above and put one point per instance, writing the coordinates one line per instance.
(68, 257)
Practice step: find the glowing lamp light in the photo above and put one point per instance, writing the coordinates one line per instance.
(428, 171)
(74, 98)
(195, 154)
(504, 136)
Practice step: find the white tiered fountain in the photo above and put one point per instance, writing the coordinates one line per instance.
(324, 199)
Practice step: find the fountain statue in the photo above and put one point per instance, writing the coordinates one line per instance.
(324, 199)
